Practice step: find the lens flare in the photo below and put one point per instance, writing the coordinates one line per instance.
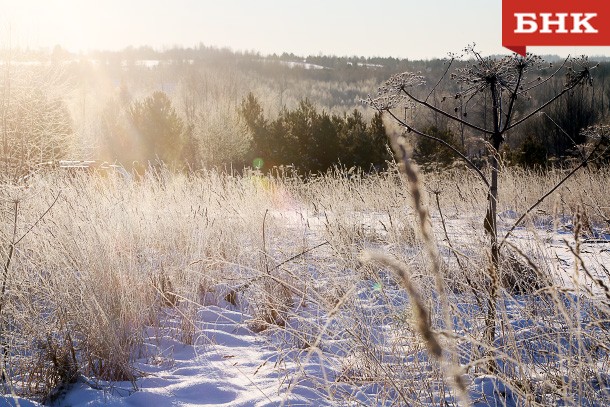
(258, 163)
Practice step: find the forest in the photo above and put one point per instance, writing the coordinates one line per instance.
(206, 107)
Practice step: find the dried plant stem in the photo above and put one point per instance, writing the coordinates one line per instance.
(422, 319)
(455, 252)
(424, 219)
(7, 265)
(415, 190)
(584, 163)
(265, 255)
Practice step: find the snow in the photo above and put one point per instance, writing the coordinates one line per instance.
(228, 364)
(298, 64)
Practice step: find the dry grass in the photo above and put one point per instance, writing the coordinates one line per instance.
(111, 255)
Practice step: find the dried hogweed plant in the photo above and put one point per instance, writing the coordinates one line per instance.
(500, 86)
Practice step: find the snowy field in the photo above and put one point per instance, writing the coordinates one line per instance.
(290, 315)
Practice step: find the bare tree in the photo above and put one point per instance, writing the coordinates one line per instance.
(35, 124)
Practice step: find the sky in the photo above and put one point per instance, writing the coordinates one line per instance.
(413, 29)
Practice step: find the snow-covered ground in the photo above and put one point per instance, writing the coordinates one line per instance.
(226, 363)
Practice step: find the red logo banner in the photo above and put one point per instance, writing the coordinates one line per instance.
(554, 23)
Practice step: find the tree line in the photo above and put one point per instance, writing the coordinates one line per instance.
(294, 115)
(150, 130)
(214, 107)
(313, 140)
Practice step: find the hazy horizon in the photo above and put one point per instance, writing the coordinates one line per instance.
(391, 28)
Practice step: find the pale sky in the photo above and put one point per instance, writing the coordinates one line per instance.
(413, 29)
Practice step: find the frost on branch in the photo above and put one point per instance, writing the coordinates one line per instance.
(506, 72)
(580, 71)
(391, 94)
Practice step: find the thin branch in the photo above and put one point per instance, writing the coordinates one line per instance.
(441, 79)
(455, 252)
(541, 82)
(565, 133)
(443, 142)
(543, 197)
(265, 243)
(448, 115)
(9, 256)
(513, 98)
(548, 102)
(39, 219)
(296, 256)
(7, 264)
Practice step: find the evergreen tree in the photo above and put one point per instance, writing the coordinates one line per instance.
(379, 153)
(158, 127)
(253, 115)
(429, 153)
(301, 145)
(314, 141)
(326, 142)
(532, 153)
(117, 143)
(353, 140)
(277, 143)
